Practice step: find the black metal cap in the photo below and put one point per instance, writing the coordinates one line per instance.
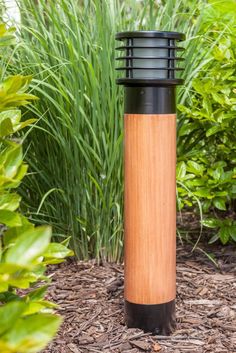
(150, 58)
(150, 34)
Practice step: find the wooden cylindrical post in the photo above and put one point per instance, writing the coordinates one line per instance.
(150, 183)
(150, 212)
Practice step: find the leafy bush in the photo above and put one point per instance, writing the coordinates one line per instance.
(27, 322)
(207, 148)
(226, 229)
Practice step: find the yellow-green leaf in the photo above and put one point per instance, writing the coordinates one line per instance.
(30, 245)
(9, 313)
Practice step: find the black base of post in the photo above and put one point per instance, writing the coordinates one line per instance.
(158, 319)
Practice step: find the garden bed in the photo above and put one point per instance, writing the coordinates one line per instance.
(90, 297)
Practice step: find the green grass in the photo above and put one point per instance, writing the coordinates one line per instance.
(75, 151)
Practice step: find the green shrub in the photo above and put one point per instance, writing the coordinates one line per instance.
(27, 322)
(207, 143)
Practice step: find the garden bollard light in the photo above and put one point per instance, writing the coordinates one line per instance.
(150, 59)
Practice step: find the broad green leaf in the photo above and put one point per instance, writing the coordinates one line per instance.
(6, 127)
(40, 306)
(198, 86)
(186, 129)
(16, 100)
(11, 269)
(29, 246)
(206, 205)
(217, 173)
(184, 109)
(219, 203)
(9, 314)
(181, 170)
(9, 201)
(232, 232)
(16, 276)
(211, 222)
(220, 98)
(14, 84)
(39, 270)
(10, 218)
(3, 285)
(219, 164)
(11, 119)
(58, 251)
(188, 203)
(213, 130)
(22, 170)
(32, 333)
(221, 193)
(196, 182)
(6, 36)
(224, 234)
(24, 124)
(204, 192)
(221, 53)
(189, 176)
(13, 115)
(12, 183)
(52, 261)
(5, 347)
(13, 160)
(37, 294)
(21, 280)
(12, 233)
(196, 168)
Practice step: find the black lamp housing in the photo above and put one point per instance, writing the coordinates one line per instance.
(149, 61)
(150, 57)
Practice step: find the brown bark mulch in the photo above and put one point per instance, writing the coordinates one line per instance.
(91, 301)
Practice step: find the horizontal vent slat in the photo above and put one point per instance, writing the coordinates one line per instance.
(149, 47)
(150, 57)
(150, 68)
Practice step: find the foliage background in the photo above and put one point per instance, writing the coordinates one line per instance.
(27, 320)
(75, 153)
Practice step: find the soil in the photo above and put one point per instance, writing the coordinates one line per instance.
(90, 297)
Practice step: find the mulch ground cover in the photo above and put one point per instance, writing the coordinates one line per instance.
(90, 297)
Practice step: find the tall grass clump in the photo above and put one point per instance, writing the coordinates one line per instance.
(75, 152)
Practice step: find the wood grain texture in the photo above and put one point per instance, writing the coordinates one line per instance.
(150, 208)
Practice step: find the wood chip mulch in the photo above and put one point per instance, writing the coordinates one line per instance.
(91, 301)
